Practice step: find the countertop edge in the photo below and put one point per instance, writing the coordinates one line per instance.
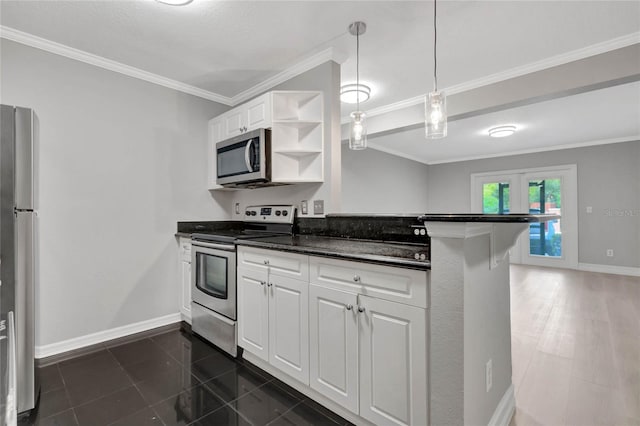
(367, 258)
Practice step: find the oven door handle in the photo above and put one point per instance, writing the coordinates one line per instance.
(225, 247)
(247, 155)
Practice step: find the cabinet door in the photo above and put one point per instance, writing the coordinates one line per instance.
(234, 122)
(289, 326)
(393, 363)
(216, 134)
(185, 306)
(253, 312)
(258, 113)
(333, 345)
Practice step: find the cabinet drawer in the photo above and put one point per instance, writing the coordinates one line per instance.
(278, 262)
(385, 282)
(185, 249)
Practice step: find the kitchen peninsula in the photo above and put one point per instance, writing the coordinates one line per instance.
(372, 290)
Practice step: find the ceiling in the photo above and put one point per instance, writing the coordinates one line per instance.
(226, 48)
(600, 116)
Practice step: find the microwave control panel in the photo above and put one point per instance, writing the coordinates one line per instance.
(272, 214)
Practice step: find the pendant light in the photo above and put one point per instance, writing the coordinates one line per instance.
(358, 125)
(436, 101)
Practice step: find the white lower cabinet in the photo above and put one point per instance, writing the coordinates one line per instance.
(333, 342)
(273, 320)
(253, 311)
(366, 354)
(185, 274)
(289, 326)
(393, 362)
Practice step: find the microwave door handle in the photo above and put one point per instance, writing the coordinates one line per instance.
(247, 155)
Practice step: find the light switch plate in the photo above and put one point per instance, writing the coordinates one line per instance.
(304, 207)
(318, 207)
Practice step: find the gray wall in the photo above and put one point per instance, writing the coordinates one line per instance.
(120, 163)
(376, 182)
(608, 181)
(326, 78)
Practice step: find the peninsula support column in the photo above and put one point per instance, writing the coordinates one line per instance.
(470, 322)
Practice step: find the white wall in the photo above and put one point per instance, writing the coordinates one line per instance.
(120, 163)
(608, 181)
(377, 182)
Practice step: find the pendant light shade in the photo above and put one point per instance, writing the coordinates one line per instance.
(358, 124)
(436, 115)
(435, 120)
(358, 131)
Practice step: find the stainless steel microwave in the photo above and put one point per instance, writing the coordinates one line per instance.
(244, 160)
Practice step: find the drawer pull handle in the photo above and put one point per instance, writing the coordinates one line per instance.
(361, 309)
(356, 278)
(266, 262)
(349, 307)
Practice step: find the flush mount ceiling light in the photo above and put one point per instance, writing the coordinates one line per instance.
(435, 102)
(501, 131)
(175, 2)
(352, 93)
(358, 125)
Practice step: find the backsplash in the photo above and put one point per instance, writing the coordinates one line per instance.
(365, 227)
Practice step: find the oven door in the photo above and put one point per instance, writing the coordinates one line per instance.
(213, 277)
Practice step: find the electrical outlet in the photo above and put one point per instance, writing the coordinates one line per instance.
(318, 207)
(488, 372)
(589, 209)
(609, 252)
(304, 209)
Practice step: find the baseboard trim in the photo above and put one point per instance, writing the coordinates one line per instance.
(505, 409)
(609, 269)
(92, 339)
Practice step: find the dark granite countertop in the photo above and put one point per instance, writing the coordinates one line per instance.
(379, 252)
(494, 218)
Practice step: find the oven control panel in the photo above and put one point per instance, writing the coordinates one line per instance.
(272, 214)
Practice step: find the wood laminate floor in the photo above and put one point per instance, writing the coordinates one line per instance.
(575, 347)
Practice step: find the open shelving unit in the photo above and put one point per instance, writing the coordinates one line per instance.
(297, 136)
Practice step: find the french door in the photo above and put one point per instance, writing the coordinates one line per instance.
(549, 190)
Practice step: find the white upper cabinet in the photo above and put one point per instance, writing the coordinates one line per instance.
(296, 120)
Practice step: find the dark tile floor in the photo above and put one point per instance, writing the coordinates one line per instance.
(169, 379)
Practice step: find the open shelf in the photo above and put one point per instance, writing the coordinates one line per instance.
(302, 106)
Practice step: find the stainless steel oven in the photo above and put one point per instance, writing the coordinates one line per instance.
(213, 291)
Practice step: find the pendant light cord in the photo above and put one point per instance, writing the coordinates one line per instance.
(358, 66)
(435, 45)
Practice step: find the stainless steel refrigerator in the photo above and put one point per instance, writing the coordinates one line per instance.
(18, 238)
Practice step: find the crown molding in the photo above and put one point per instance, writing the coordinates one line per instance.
(631, 138)
(296, 69)
(101, 62)
(553, 61)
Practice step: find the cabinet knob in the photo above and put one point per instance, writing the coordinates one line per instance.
(361, 308)
(270, 285)
(349, 307)
(266, 262)
(263, 283)
(356, 278)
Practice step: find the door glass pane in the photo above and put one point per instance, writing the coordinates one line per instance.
(495, 198)
(212, 275)
(545, 239)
